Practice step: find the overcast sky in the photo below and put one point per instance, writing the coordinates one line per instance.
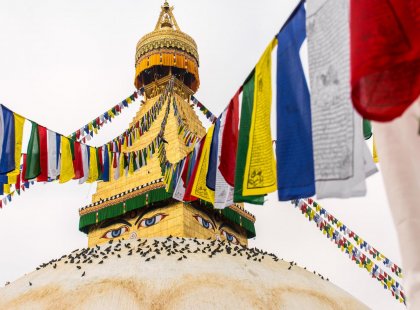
(65, 62)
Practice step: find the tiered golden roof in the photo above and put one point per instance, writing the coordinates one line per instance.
(167, 47)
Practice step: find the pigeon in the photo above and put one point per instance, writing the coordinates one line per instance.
(101, 262)
(83, 274)
(78, 267)
(30, 284)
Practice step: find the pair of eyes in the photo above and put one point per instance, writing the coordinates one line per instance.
(208, 225)
(147, 222)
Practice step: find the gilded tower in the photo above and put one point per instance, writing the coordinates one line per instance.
(136, 205)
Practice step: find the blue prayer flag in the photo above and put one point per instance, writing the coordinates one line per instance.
(295, 164)
(105, 173)
(7, 156)
(211, 172)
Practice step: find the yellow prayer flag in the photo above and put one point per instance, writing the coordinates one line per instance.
(6, 188)
(93, 166)
(131, 165)
(375, 154)
(199, 188)
(19, 122)
(260, 168)
(121, 164)
(66, 165)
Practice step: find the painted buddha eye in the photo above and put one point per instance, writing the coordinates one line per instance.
(115, 233)
(153, 220)
(206, 224)
(229, 237)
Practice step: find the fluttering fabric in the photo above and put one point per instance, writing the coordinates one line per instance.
(43, 154)
(85, 162)
(398, 147)
(53, 140)
(385, 56)
(260, 166)
(213, 157)
(105, 174)
(229, 140)
(199, 188)
(295, 163)
(33, 166)
(341, 157)
(189, 163)
(223, 195)
(243, 143)
(13, 176)
(78, 161)
(93, 165)
(66, 164)
(188, 191)
(7, 159)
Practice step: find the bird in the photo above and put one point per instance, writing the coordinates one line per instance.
(55, 266)
(78, 267)
(83, 274)
(101, 262)
(180, 258)
(290, 267)
(30, 284)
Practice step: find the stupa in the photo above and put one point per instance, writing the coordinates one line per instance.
(149, 251)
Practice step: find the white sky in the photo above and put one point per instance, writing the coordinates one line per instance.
(62, 63)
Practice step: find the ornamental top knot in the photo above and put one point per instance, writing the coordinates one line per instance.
(167, 50)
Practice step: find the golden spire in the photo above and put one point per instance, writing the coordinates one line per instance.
(167, 47)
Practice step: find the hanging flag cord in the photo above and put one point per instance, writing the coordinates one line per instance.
(87, 131)
(314, 212)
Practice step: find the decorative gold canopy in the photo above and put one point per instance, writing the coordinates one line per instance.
(167, 48)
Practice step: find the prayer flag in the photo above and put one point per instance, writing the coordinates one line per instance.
(341, 165)
(179, 191)
(19, 122)
(194, 164)
(211, 174)
(367, 129)
(7, 155)
(243, 143)
(199, 188)
(385, 57)
(223, 194)
(84, 151)
(295, 163)
(229, 140)
(33, 167)
(116, 165)
(78, 161)
(105, 174)
(43, 154)
(93, 165)
(53, 154)
(66, 165)
(260, 165)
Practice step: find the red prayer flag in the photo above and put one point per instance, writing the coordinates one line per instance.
(230, 140)
(24, 167)
(385, 57)
(78, 161)
(43, 154)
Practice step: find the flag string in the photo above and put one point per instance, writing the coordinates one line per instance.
(354, 253)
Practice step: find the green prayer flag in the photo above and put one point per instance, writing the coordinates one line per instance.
(243, 141)
(367, 129)
(33, 167)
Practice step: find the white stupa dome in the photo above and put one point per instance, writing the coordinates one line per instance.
(173, 273)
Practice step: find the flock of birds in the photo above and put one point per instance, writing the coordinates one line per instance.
(149, 249)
